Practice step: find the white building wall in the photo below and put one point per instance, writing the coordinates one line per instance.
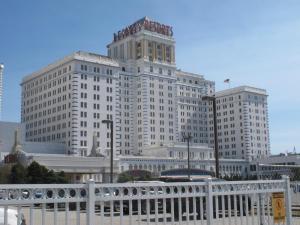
(151, 86)
(127, 113)
(151, 103)
(46, 110)
(7, 135)
(242, 120)
(66, 101)
(193, 114)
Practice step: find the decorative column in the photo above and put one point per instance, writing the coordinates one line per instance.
(209, 202)
(154, 50)
(131, 49)
(90, 209)
(173, 54)
(128, 49)
(164, 52)
(145, 49)
(288, 201)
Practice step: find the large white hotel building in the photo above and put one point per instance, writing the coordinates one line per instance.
(67, 100)
(242, 123)
(137, 86)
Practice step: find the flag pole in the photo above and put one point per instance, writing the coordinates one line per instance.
(228, 82)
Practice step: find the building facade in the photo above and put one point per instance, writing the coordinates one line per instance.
(175, 157)
(155, 97)
(66, 102)
(7, 130)
(152, 103)
(146, 56)
(194, 116)
(242, 123)
(276, 165)
(137, 86)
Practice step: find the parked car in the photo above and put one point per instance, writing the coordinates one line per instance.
(12, 217)
(145, 191)
(2, 193)
(198, 211)
(107, 193)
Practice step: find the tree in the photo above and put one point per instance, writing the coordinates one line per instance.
(61, 178)
(33, 174)
(124, 177)
(135, 175)
(38, 174)
(5, 173)
(226, 177)
(252, 177)
(55, 178)
(17, 174)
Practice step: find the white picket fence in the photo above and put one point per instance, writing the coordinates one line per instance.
(205, 203)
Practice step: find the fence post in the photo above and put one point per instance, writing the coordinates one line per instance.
(288, 202)
(209, 202)
(261, 206)
(90, 208)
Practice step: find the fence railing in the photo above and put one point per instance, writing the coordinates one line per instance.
(207, 203)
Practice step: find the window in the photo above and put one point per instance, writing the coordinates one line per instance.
(138, 50)
(84, 67)
(168, 53)
(122, 51)
(159, 52)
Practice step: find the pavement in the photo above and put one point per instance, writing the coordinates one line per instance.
(127, 220)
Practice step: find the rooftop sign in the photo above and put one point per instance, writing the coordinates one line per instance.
(145, 24)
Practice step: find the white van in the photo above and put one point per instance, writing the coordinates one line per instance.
(12, 217)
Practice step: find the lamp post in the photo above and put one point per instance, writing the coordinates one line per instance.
(188, 138)
(111, 146)
(213, 100)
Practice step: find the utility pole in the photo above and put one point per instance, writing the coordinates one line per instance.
(111, 147)
(213, 100)
(188, 138)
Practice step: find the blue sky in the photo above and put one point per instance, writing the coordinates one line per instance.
(253, 42)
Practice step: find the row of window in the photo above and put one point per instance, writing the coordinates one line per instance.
(94, 69)
(44, 78)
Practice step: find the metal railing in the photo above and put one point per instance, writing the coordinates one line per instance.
(295, 193)
(205, 203)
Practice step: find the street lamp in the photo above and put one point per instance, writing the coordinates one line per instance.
(111, 146)
(188, 138)
(213, 99)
